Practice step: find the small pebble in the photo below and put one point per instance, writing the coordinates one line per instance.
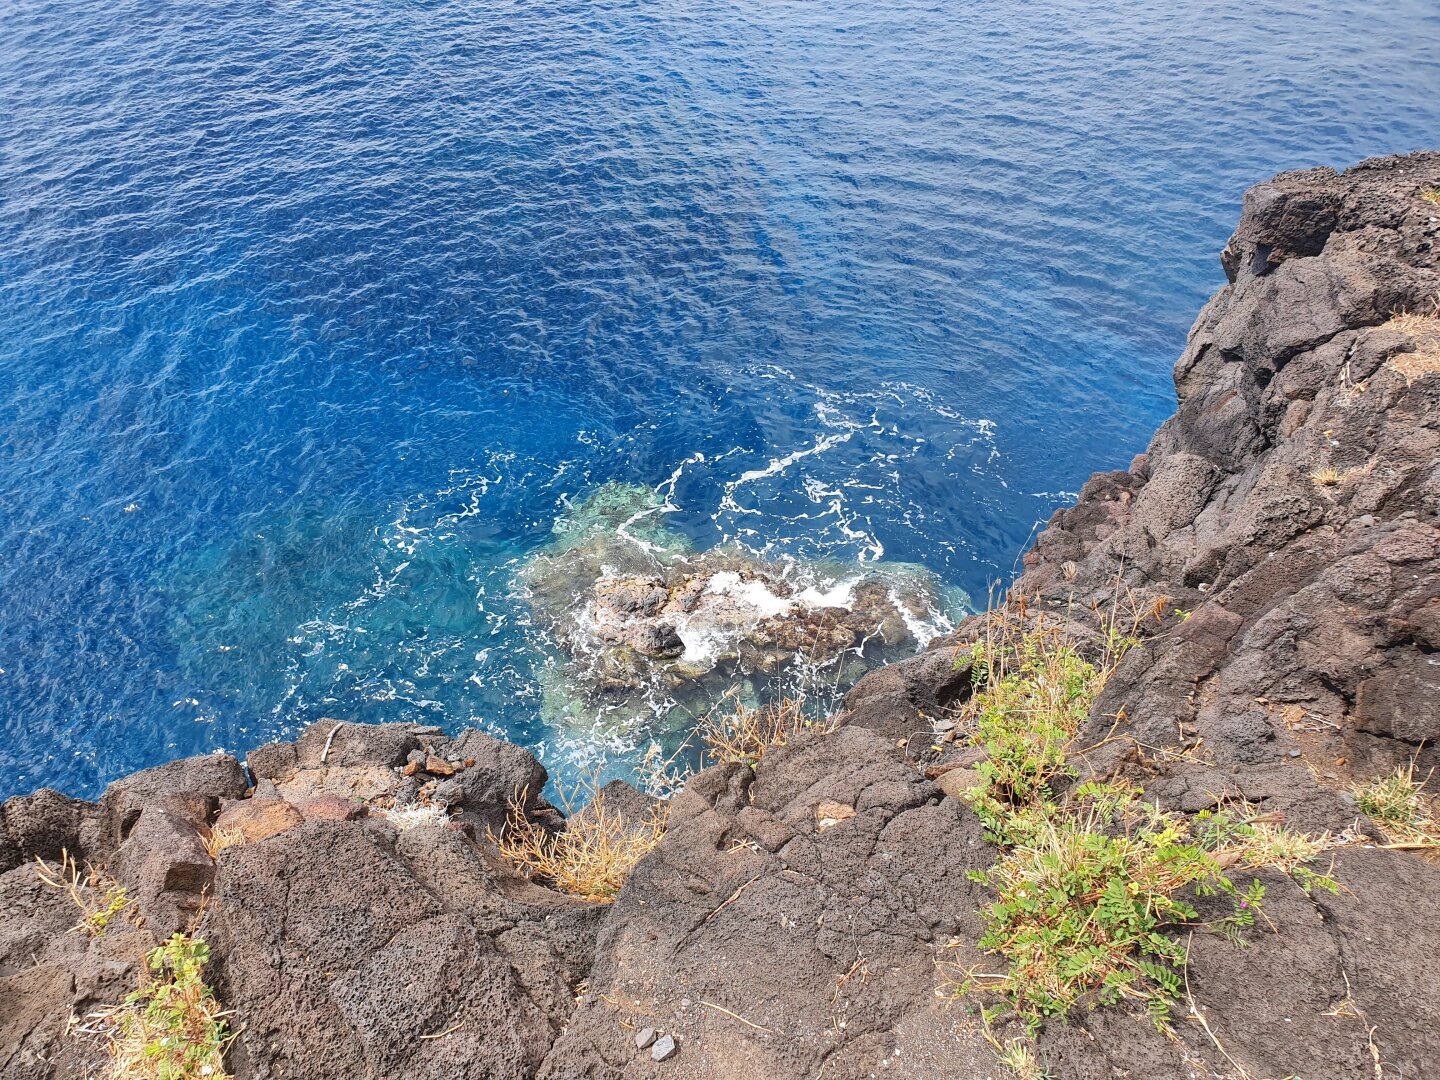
(1294, 753)
(644, 1037)
(664, 1048)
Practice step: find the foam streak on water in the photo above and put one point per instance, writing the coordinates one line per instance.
(315, 318)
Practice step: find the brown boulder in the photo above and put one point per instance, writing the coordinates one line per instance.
(330, 808)
(255, 819)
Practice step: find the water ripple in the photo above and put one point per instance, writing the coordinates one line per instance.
(315, 317)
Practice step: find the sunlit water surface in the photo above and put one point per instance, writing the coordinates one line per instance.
(314, 318)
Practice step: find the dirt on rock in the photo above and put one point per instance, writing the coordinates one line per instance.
(805, 918)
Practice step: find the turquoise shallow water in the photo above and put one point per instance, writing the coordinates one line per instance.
(315, 318)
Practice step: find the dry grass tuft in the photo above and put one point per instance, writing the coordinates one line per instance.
(415, 815)
(1399, 804)
(1424, 331)
(1430, 195)
(746, 733)
(665, 776)
(1241, 836)
(1020, 1056)
(1326, 477)
(217, 840)
(101, 899)
(592, 856)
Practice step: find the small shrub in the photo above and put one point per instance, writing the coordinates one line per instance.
(1092, 886)
(1032, 691)
(591, 857)
(172, 1028)
(1430, 195)
(1326, 477)
(745, 733)
(1082, 911)
(101, 900)
(1037, 695)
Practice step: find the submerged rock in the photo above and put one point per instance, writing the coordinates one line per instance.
(641, 616)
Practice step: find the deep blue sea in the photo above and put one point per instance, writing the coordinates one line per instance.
(315, 317)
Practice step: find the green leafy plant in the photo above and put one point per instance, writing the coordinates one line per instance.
(1032, 690)
(1028, 715)
(1082, 910)
(1093, 886)
(172, 1028)
(1242, 836)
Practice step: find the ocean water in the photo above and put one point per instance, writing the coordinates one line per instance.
(315, 318)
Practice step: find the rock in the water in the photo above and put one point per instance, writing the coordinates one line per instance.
(655, 633)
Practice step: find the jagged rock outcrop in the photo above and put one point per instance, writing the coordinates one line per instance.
(795, 919)
(356, 925)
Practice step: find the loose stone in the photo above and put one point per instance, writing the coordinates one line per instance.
(665, 1048)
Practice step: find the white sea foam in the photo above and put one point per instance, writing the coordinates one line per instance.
(753, 594)
(775, 468)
